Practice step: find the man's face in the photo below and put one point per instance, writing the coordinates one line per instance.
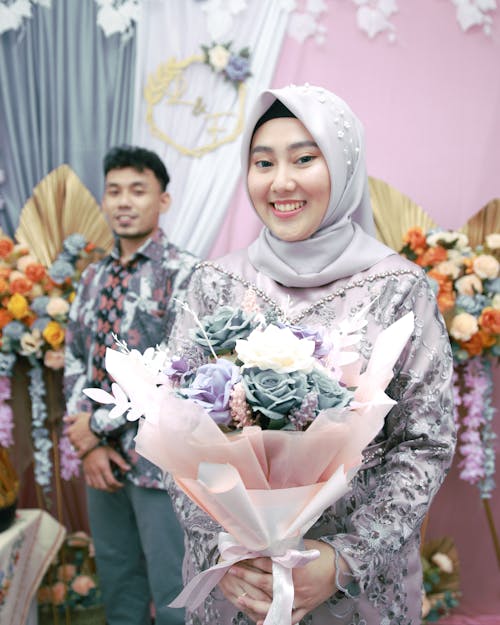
(132, 203)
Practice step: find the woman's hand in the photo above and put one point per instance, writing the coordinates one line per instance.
(249, 584)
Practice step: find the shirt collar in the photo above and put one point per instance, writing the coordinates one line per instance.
(153, 248)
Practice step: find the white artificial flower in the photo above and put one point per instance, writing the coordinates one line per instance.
(461, 240)
(218, 57)
(493, 240)
(277, 349)
(443, 562)
(463, 327)
(31, 343)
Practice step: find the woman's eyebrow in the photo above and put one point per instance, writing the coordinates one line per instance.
(293, 146)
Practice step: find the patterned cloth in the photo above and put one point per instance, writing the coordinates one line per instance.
(375, 527)
(132, 301)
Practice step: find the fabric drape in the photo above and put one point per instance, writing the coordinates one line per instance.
(66, 97)
(201, 187)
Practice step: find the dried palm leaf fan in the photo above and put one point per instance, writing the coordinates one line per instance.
(484, 222)
(61, 205)
(394, 214)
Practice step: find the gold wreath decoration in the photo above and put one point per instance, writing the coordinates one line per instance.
(170, 74)
(59, 206)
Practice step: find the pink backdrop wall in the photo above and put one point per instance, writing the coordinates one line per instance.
(430, 104)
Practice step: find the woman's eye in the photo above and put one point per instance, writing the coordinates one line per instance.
(305, 159)
(263, 163)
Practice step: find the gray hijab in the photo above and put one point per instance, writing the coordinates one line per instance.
(345, 242)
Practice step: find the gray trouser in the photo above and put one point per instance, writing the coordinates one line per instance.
(139, 548)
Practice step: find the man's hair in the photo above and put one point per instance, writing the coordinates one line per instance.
(139, 159)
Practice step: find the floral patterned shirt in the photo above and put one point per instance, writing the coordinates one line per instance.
(158, 272)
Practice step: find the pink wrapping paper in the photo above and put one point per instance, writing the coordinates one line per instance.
(265, 488)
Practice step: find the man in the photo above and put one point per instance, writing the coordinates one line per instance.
(138, 542)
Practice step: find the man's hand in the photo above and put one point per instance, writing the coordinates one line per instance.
(98, 468)
(79, 433)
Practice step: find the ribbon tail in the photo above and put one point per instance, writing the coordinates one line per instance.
(198, 588)
(280, 612)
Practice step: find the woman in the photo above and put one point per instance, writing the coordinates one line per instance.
(316, 263)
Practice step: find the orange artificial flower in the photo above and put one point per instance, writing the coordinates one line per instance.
(5, 273)
(6, 247)
(489, 320)
(4, 286)
(21, 285)
(446, 295)
(53, 333)
(90, 247)
(432, 256)
(415, 238)
(35, 272)
(474, 346)
(5, 317)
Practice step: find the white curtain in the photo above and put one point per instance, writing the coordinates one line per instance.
(201, 187)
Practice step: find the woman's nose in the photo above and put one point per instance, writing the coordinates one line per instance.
(283, 180)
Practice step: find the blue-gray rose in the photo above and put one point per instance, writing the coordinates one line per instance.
(274, 394)
(211, 388)
(330, 393)
(39, 305)
(74, 243)
(223, 329)
(60, 270)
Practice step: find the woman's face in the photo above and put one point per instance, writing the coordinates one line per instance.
(288, 179)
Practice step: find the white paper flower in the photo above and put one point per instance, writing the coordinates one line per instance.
(486, 266)
(493, 240)
(443, 562)
(461, 240)
(277, 349)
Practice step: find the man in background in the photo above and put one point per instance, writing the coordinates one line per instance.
(138, 541)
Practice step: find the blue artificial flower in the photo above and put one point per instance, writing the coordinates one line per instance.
(472, 304)
(6, 363)
(39, 305)
(60, 270)
(238, 68)
(41, 323)
(74, 244)
(222, 329)
(492, 286)
(14, 330)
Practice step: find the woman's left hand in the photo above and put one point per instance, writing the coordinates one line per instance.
(249, 585)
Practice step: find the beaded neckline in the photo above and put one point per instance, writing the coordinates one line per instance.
(340, 292)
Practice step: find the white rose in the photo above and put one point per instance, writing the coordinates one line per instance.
(277, 349)
(57, 307)
(218, 57)
(443, 562)
(486, 266)
(31, 343)
(463, 326)
(24, 261)
(461, 240)
(469, 285)
(448, 268)
(496, 301)
(493, 240)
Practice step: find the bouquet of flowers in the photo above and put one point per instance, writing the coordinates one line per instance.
(467, 286)
(263, 432)
(70, 586)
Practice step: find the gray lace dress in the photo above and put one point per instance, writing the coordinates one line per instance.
(375, 528)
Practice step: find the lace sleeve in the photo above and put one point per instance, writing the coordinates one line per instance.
(388, 503)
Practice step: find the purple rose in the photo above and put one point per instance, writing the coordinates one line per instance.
(211, 388)
(177, 370)
(238, 68)
(322, 347)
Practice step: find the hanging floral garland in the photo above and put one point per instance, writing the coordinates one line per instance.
(34, 307)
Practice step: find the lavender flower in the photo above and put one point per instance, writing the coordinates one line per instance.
(322, 346)
(6, 425)
(70, 463)
(211, 388)
(177, 370)
(238, 68)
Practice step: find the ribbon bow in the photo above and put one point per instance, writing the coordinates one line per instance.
(285, 556)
